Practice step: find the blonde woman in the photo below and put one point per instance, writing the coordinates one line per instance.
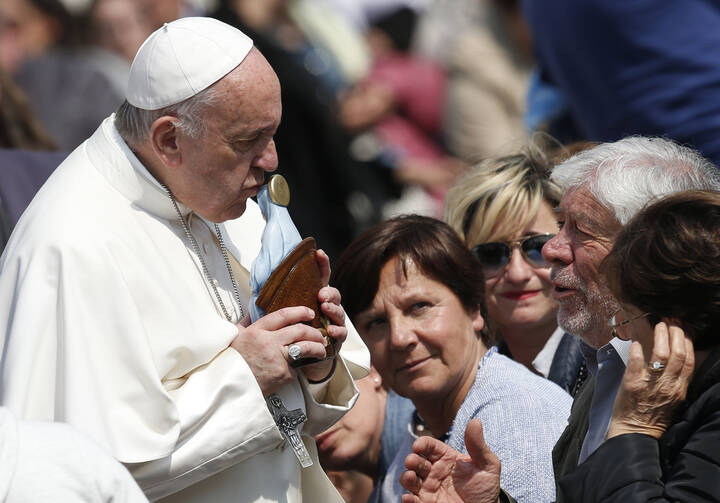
(503, 209)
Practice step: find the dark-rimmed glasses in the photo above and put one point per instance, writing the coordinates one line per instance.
(496, 255)
(618, 321)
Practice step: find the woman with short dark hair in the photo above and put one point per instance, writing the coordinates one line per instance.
(415, 294)
(663, 443)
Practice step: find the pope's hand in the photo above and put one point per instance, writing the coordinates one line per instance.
(438, 473)
(264, 344)
(329, 300)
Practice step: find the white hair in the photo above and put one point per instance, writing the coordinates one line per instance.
(134, 123)
(626, 175)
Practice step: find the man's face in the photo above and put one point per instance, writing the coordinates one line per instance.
(586, 235)
(354, 441)
(220, 170)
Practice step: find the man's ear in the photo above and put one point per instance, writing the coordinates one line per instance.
(164, 141)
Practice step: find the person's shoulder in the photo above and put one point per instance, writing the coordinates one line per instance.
(71, 464)
(514, 380)
(75, 211)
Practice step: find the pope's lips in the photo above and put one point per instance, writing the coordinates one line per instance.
(520, 294)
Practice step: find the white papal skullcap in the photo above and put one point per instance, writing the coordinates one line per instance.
(182, 58)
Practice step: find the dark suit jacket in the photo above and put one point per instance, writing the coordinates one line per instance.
(568, 368)
(567, 449)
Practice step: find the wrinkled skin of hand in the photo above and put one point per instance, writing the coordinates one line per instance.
(438, 473)
(264, 344)
(647, 402)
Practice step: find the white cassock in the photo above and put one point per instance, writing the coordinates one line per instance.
(43, 461)
(110, 325)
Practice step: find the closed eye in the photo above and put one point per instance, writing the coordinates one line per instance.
(375, 323)
(244, 145)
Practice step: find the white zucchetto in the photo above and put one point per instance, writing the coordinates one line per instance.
(182, 58)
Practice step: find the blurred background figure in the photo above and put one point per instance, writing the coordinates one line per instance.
(29, 28)
(27, 155)
(120, 26)
(312, 149)
(359, 13)
(488, 69)
(318, 39)
(70, 87)
(157, 12)
(19, 129)
(633, 68)
(401, 103)
(503, 209)
(357, 450)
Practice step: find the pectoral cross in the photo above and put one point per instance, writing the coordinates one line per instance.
(287, 421)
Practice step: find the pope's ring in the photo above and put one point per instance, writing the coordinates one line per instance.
(294, 352)
(656, 366)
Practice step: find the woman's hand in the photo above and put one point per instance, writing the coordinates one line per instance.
(648, 399)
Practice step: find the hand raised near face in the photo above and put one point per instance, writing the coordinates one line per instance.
(648, 399)
(264, 344)
(437, 473)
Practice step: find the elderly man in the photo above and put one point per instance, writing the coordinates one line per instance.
(602, 189)
(124, 288)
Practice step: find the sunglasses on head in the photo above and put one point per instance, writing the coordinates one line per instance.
(495, 256)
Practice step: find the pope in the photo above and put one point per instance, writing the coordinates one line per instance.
(124, 288)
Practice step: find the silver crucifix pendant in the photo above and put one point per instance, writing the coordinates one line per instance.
(288, 421)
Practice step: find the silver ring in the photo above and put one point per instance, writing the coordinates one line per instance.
(656, 366)
(294, 352)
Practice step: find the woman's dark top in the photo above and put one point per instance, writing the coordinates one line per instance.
(683, 465)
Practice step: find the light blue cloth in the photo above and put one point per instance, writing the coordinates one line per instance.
(279, 238)
(607, 364)
(523, 415)
(398, 418)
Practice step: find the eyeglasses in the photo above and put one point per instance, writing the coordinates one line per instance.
(619, 320)
(495, 256)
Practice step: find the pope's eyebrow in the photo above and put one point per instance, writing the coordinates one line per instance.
(251, 134)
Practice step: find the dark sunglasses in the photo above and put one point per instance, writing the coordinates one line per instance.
(495, 256)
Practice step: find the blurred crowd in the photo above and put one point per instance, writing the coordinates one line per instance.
(392, 107)
(384, 102)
